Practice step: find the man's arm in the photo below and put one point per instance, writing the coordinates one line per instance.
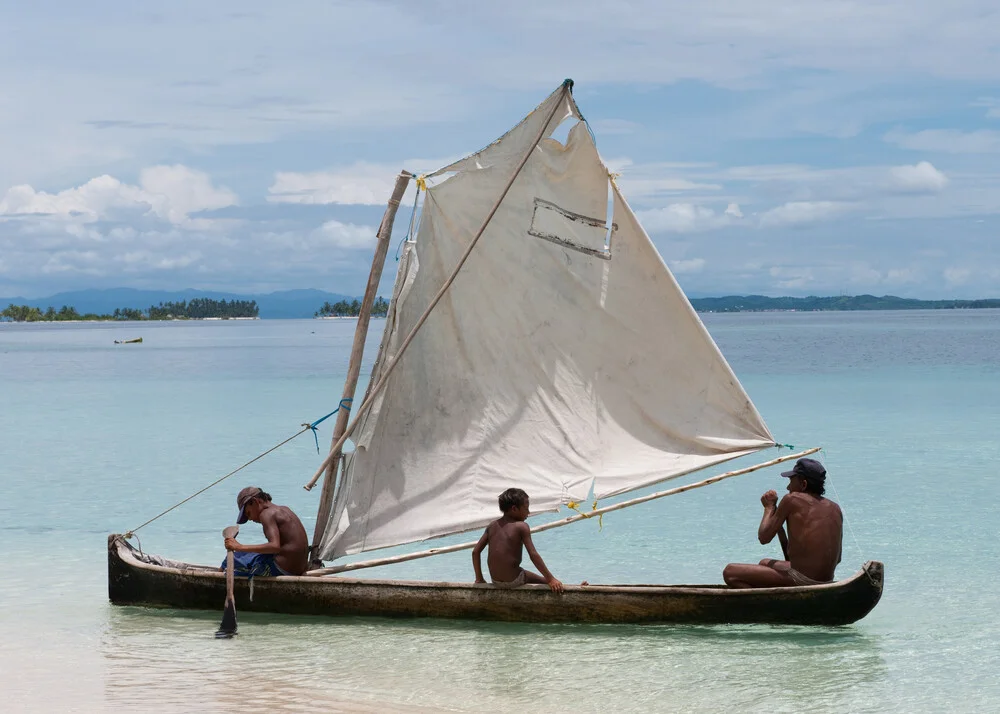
(554, 583)
(271, 532)
(774, 517)
(477, 552)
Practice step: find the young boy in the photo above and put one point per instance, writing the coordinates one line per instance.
(505, 537)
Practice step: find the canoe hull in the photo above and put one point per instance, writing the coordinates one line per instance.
(132, 581)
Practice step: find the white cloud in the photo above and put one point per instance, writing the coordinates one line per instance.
(645, 183)
(361, 184)
(992, 105)
(170, 193)
(59, 255)
(920, 178)
(150, 235)
(902, 276)
(346, 235)
(950, 141)
(791, 277)
(694, 265)
(797, 213)
(863, 274)
(687, 218)
(89, 201)
(177, 191)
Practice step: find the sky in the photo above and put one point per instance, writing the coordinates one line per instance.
(768, 147)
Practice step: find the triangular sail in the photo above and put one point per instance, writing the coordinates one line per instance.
(564, 357)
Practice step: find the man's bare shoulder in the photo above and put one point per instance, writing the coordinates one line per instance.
(795, 500)
(269, 515)
(807, 500)
(279, 514)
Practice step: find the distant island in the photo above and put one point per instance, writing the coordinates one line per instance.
(761, 303)
(352, 308)
(291, 304)
(196, 309)
(129, 304)
(742, 303)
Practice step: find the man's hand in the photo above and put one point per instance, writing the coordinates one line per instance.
(770, 498)
(556, 586)
(232, 544)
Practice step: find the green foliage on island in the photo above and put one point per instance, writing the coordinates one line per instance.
(760, 303)
(352, 308)
(199, 308)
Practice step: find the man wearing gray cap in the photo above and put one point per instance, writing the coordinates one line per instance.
(285, 552)
(815, 533)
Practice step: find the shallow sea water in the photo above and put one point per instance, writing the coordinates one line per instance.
(96, 438)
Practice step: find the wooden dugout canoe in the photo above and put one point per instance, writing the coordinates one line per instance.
(150, 581)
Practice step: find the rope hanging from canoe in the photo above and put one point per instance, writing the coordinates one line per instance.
(345, 404)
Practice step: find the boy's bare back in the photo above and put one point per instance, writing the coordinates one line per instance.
(506, 541)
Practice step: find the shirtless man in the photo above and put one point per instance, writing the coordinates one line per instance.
(505, 537)
(285, 552)
(815, 530)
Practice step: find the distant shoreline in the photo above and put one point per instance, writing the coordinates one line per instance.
(843, 303)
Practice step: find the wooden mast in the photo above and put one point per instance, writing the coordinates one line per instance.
(357, 352)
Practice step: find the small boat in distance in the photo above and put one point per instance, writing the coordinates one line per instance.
(133, 341)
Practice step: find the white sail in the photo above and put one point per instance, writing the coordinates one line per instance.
(564, 357)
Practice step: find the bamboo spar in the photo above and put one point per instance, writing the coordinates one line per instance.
(564, 521)
(384, 238)
(374, 391)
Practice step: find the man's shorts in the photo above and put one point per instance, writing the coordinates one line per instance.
(249, 565)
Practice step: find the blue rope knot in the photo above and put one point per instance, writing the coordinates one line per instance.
(785, 446)
(345, 404)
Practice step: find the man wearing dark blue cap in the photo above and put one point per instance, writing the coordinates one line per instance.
(285, 552)
(815, 533)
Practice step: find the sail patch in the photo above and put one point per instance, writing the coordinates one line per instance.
(571, 230)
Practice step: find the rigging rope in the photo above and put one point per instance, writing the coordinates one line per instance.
(850, 527)
(574, 506)
(421, 186)
(305, 428)
(345, 404)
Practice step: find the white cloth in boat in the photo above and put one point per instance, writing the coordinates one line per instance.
(515, 583)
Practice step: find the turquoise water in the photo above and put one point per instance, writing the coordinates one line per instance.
(96, 438)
